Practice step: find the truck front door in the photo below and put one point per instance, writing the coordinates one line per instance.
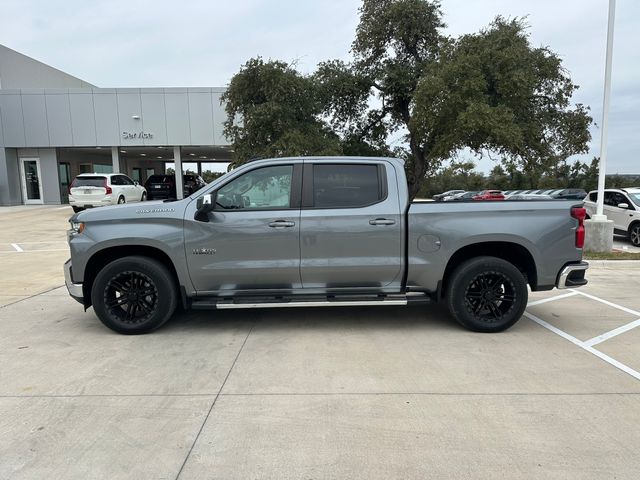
(350, 225)
(252, 238)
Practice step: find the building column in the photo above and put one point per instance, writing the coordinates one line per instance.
(115, 159)
(177, 163)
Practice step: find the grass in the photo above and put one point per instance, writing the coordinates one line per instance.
(614, 255)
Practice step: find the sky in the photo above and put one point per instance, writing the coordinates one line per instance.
(166, 43)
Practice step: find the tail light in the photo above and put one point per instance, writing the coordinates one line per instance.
(107, 187)
(580, 214)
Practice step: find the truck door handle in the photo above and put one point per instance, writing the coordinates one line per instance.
(381, 221)
(281, 224)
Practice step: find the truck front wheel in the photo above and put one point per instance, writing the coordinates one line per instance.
(487, 294)
(134, 295)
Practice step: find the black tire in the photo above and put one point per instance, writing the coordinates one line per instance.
(121, 200)
(487, 294)
(144, 197)
(77, 209)
(118, 296)
(634, 234)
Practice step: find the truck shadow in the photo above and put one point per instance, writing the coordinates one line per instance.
(432, 317)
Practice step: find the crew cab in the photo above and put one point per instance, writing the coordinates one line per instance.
(318, 231)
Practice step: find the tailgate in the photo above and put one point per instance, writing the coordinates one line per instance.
(88, 193)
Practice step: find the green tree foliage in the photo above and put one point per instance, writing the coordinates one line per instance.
(274, 111)
(412, 86)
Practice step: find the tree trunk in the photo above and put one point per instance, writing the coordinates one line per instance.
(415, 177)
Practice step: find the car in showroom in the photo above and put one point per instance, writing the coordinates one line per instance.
(90, 190)
(622, 205)
(163, 186)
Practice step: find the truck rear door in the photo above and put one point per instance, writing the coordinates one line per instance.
(350, 225)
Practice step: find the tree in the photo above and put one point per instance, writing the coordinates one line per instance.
(489, 92)
(273, 111)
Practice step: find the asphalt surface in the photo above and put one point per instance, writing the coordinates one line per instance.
(311, 393)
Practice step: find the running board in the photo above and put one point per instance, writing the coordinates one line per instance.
(239, 303)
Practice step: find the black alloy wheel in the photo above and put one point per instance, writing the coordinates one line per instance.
(134, 295)
(131, 297)
(486, 294)
(490, 296)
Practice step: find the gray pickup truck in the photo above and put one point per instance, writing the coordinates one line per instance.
(318, 231)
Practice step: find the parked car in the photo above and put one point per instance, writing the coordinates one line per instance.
(461, 197)
(439, 197)
(162, 186)
(570, 194)
(489, 195)
(528, 196)
(622, 205)
(98, 189)
(348, 235)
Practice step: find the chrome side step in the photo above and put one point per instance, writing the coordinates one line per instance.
(335, 303)
(219, 303)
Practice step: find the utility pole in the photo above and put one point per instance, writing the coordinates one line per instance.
(599, 230)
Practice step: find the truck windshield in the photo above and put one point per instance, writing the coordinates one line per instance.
(635, 198)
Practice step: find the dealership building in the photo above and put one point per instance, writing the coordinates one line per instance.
(54, 126)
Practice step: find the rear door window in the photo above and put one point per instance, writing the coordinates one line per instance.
(346, 186)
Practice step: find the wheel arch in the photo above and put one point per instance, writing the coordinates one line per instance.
(511, 252)
(103, 257)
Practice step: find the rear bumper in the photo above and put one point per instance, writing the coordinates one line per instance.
(74, 289)
(572, 275)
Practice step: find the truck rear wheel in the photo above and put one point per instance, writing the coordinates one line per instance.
(487, 294)
(134, 295)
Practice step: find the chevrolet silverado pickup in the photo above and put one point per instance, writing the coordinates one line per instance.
(319, 231)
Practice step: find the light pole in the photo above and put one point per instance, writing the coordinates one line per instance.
(599, 230)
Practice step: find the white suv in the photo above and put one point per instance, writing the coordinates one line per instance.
(97, 189)
(622, 205)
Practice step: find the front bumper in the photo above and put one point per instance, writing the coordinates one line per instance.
(75, 289)
(572, 275)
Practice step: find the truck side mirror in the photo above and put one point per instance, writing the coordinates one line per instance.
(623, 205)
(205, 205)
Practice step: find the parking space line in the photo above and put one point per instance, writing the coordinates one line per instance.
(34, 251)
(551, 299)
(16, 247)
(584, 346)
(606, 302)
(612, 333)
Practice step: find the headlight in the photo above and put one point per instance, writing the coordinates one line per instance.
(76, 227)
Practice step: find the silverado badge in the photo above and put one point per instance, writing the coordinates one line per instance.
(204, 251)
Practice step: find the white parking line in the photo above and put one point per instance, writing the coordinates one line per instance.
(606, 302)
(612, 333)
(17, 248)
(584, 346)
(35, 251)
(551, 299)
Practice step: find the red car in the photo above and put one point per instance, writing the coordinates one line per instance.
(489, 195)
